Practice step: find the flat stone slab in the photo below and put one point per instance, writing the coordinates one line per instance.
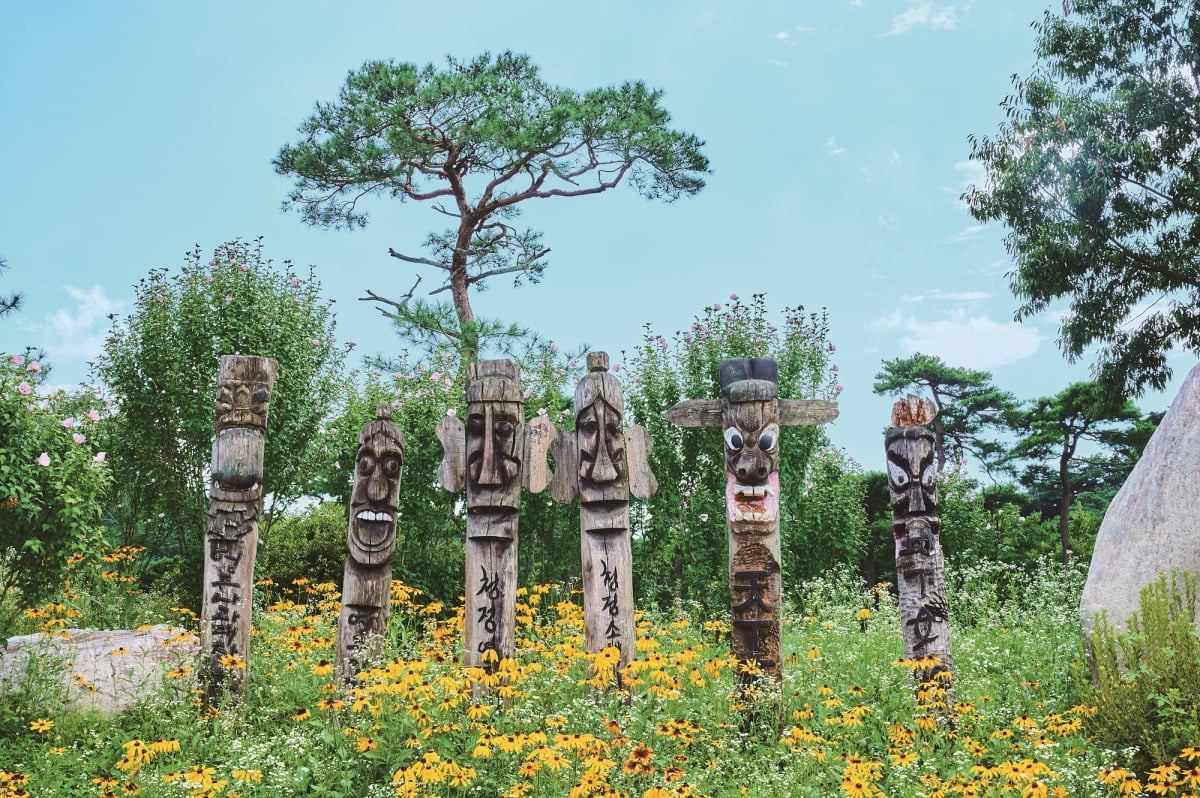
(109, 671)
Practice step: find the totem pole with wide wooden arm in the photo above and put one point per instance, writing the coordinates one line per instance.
(243, 399)
(920, 568)
(602, 463)
(750, 413)
(367, 580)
(487, 454)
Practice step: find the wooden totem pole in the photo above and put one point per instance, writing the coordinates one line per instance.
(243, 400)
(488, 454)
(602, 463)
(751, 413)
(367, 582)
(920, 568)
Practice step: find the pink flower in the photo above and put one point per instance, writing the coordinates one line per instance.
(34, 367)
(93, 415)
(703, 516)
(553, 349)
(541, 411)
(337, 465)
(616, 367)
(453, 411)
(208, 278)
(716, 306)
(78, 438)
(734, 297)
(24, 388)
(68, 422)
(18, 360)
(228, 298)
(528, 392)
(99, 458)
(43, 459)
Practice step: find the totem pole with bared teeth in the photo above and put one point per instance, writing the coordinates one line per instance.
(750, 414)
(367, 582)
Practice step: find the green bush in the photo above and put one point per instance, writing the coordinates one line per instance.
(310, 544)
(1147, 680)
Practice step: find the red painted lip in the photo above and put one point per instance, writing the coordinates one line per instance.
(755, 505)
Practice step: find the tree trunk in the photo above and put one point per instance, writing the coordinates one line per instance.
(468, 337)
(1064, 510)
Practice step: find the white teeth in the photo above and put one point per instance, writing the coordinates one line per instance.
(369, 515)
(751, 491)
(753, 518)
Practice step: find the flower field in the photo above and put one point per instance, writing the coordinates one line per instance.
(848, 720)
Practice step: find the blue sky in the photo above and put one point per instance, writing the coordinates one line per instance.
(837, 132)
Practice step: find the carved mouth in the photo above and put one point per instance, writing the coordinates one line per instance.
(371, 515)
(752, 505)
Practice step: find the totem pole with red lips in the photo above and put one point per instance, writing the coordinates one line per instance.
(750, 414)
(371, 539)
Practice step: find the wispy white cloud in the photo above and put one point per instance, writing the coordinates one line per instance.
(805, 29)
(833, 148)
(894, 158)
(76, 333)
(938, 295)
(887, 220)
(925, 14)
(775, 62)
(962, 339)
(967, 234)
(783, 36)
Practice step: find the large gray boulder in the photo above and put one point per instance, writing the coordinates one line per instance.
(106, 671)
(1153, 523)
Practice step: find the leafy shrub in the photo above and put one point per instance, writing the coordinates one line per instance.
(1147, 680)
(52, 482)
(309, 544)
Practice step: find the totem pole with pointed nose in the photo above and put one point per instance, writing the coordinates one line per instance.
(243, 400)
(371, 539)
(602, 463)
(750, 413)
(487, 454)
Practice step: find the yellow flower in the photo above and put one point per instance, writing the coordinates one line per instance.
(323, 668)
(301, 714)
(232, 661)
(41, 725)
(366, 744)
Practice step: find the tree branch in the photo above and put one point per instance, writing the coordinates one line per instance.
(411, 259)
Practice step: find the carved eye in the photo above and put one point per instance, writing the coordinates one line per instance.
(733, 438)
(391, 465)
(928, 477)
(261, 396)
(897, 476)
(366, 463)
(504, 428)
(768, 441)
(613, 427)
(475, 425)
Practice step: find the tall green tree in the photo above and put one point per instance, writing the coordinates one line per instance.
(968, 405)
(475, 140)
(1096, 176)
(1052, 429)
(161, 363)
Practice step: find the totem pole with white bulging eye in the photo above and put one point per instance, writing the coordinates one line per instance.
(750, 414)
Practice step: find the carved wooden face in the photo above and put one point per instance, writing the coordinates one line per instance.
(243, 404)
(377, 469)
(751, 432)
(912, 479)
(495, 430)
(602, 473)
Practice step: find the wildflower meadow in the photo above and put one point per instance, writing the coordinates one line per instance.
(848, 720)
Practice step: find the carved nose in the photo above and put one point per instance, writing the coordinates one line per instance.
(603, 469)
(492, 470)
(916, 501)
(377, 488)
(751, 469)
